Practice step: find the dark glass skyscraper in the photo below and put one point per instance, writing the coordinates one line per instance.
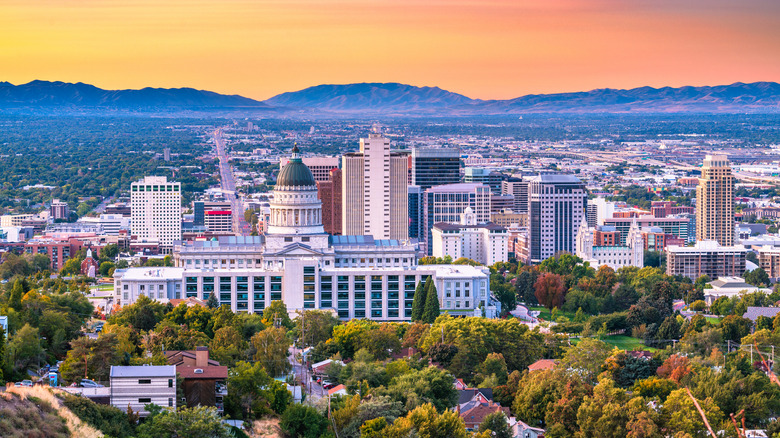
(435, 167)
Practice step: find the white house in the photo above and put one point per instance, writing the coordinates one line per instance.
(138, 386)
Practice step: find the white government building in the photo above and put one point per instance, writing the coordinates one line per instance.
(300, 264)
(615, 257)
(485, 243)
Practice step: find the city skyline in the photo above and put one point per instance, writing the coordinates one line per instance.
(484, 50)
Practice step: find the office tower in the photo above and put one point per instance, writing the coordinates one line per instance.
(200, 208)
(485, 176)
(517, 187)
(501, 203)
(167, 154)
(483, 243)
(374, 190)
(320, 166)
(592, 214)
(155, 206)
(59, 210)
(447, 203)
(219, 221)
(329, 192)
(435, 167)
(706, 257)
(416, 217)
(556, 206)
(715, 201)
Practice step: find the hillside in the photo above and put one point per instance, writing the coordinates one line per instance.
(36, 412)
(44, 94)
(369, 96)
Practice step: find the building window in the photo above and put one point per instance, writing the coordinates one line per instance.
(144, 381)
(144, 400)
(170, 383)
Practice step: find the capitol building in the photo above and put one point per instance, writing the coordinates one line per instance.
(298, 263)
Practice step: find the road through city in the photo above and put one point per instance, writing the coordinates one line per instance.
(228, 183)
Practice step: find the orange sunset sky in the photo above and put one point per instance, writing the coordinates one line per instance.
(489, 49)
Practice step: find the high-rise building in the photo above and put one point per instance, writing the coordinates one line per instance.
(557, 205)
(447, 203)
(486, 176)
(374, 190)
(155, 205)
(715, 201)
(200, 208)
(435, 167)
(329, 192)
(167, 154)
(517, 187)
(501, 203)
(484, 243)
(416, 216)
(219, 221)
(320, 166)
(59, 210)
(708, 258)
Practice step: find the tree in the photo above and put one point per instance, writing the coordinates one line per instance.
(586, 358)
(24, 348)
(212, 302)
(735, 327)
(425, 422)
(418, 302)
(303, 421)
(682, 417)
(431, 310)
(495, 366)
(314, 326)
(271, 346)
(276, 315)
(430, 385)
(497, 424)
(228, 346)
(143, 314)
(15, 301)
(195, 422)
(90, 358)
(550, 290)
(757, 277)
(249, 391)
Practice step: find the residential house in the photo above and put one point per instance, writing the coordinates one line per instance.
(476, 414)
(204, 379)
(138, 386)
(522, 430)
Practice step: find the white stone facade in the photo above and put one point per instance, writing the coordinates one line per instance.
(615, 257)
(155, 205)
(483, 243)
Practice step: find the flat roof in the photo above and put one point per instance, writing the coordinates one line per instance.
(143, 371)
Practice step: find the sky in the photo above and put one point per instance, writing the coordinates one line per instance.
(486, 49)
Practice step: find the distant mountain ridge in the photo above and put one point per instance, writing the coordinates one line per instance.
(366, 96)
(374, 99)
(64, 94)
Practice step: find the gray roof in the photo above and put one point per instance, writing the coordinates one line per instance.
(754, 312)
(448, 226)
(295, 174)
(456, 188)
(558, 179)
(362, 241)
(143, 371)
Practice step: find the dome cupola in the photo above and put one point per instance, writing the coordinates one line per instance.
(295, 173)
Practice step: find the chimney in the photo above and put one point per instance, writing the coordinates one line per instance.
(201, 357)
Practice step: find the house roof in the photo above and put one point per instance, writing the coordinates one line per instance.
(143, 371)
(754, 312)
(338, 389)
(209, 372)
(542, 364)
(176, 357)
(478, 413)
(468, 394)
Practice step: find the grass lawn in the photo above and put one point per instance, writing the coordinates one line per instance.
(545, 315)
(103, 287)
(627, 343)
(713, 319)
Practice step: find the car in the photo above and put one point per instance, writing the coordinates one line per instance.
(24, 383)
(87, 383)
(328, 385)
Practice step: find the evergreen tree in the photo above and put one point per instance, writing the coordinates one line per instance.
(431, 310)
(418, 302)
(15, 301)
(212, 302)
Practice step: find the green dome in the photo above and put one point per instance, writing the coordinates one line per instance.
(295, 173)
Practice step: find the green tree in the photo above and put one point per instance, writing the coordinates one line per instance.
(195, 422)
(276, 314)
(90, 358)
(105, 268)
(431, 310)
(228, 346)
(735, 327)
(212, 302)
(495, 366)
(15, 301)
(757, 277)
(425, 422)
(497, 425)
(249, 391)
(303, 422)
(682, 417)
(271, 349)
(314, 326)
(418, 302)
(586, 358)
(143, 314)
(430, 385)
(24, 348)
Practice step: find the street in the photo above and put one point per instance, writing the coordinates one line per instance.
(228, 182)
(312, 388)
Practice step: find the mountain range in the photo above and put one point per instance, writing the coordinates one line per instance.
(393, 99)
